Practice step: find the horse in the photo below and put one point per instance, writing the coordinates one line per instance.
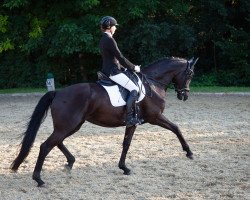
(75, 104)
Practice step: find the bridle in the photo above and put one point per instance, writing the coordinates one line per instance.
(181, 92)
(189, 75)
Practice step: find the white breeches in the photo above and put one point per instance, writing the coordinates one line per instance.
(124, 81)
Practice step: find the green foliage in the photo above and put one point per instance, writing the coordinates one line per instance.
(15, 3)
(150, 42)
(177, 9)
(138, 9)
(62, 36)
(37, 27)
(70, 39)
(85, 5)
(205, 80)
(6, 45)
(3, 23)
(239, 40)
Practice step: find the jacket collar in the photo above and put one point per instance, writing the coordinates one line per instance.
(109, 34)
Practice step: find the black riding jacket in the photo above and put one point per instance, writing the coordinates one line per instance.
(112, 58)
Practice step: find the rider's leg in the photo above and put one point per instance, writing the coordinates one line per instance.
(131, 109)
(125, 82)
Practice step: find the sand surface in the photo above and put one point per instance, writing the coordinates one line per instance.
(217, 128)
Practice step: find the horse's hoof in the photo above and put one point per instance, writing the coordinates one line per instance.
(36, 177)
(13, 170)
(67, 168)
(126, 171)
(190, 156)
(40, 183)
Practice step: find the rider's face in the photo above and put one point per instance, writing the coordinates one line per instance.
(112, 30)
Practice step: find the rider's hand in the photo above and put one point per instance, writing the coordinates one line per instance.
(137, 68)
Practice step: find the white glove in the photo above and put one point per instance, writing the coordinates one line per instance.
(137, 68)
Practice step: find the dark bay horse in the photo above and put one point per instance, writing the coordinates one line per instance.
(78, 103)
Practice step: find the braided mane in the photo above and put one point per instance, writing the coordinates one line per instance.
(167, 59)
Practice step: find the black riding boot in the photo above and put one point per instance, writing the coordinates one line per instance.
(131, 111)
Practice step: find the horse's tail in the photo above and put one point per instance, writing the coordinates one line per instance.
(36, 120)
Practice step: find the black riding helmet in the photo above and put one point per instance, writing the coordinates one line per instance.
(107, 22)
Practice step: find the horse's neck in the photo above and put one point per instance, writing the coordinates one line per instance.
(163, 78)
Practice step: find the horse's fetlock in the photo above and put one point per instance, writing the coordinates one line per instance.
(71, 160)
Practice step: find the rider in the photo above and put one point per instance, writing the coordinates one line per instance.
(114, 62)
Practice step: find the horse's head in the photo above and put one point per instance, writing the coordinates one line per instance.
(183, 78)
(172, 70)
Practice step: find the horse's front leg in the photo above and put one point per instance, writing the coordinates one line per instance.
(162, 121)
(126, 143)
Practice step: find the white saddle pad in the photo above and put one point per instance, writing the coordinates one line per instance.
(116, 97)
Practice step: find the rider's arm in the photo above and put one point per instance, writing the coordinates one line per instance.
(123, 61)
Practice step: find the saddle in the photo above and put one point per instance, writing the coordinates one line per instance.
(118, 95)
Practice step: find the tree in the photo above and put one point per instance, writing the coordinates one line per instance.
(62, 37)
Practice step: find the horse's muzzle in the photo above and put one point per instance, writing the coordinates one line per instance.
(182, 95)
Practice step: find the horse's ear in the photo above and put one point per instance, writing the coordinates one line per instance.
(192, 63)
(191, 60)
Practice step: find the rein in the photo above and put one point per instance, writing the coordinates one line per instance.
(188, 76)
(148, 79)
(158, 82)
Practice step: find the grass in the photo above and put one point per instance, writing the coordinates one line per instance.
(22, 90)
(213, 89)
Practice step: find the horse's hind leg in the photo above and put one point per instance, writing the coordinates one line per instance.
(165, 123)
(69, 156)
(126, 143)
(55, 139)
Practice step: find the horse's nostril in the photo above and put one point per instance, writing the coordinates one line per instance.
(179, 96)
(185, 95)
